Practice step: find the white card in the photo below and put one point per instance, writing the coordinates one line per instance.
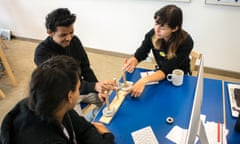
(144, 136)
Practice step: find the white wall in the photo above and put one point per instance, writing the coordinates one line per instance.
(120, 25)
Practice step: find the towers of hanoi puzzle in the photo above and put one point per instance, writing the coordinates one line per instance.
(121, 91)
(108, 110)
(126, 85)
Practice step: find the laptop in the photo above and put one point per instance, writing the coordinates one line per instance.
(234, 98)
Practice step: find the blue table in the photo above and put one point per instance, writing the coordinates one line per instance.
(212, 107)
(156, 103)
(162, 100)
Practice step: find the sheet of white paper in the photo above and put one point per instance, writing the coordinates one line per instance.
(177, 135)
(211, 129)
(144, 74)
(144, 136)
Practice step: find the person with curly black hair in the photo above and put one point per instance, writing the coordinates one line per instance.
(62, 41)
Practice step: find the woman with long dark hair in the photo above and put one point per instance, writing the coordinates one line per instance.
(170, 45)
(46, 116)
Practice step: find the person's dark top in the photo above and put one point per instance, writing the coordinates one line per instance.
(48, 48)
(179, 61)
(22, 126)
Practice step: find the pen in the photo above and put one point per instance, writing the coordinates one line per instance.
(218, 133)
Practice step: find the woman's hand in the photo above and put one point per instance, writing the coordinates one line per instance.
(137, 89)
(130, 64)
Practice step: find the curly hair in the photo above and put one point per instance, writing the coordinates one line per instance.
(59, 17)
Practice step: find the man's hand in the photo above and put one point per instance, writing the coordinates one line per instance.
(102, 96)
(104, 87)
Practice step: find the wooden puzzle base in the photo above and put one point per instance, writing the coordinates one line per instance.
(127, 86)
(108, 112)
(116, 103)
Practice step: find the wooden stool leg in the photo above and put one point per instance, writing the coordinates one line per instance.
(3, 44)
(7, 67)
(2, 95)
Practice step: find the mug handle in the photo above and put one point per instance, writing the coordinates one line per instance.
(169, 77)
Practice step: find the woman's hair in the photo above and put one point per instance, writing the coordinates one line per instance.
(50, 83)
(172, 16)
(59, 17)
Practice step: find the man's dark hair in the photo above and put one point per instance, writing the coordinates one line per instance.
(50, 83)
(59, 17)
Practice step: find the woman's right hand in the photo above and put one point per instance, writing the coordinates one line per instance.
(130, 64)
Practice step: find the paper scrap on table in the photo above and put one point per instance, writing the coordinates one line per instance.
(144, 74)
(177, 135)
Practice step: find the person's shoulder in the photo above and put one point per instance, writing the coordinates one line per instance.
(187, 38)
(74, 115)
(45, 43)
(20, 106)
(150, 33)
(75, 38)
(76, 44)
(187, 43)
(14, 113)
(76, 41)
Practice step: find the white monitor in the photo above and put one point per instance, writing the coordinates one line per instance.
(196, 128)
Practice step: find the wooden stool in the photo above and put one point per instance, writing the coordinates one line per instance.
(6, 66)
(2, 43)
(2, 95)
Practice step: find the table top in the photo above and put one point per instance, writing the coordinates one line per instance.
(212, 107)
(162, 100)
(156, 103)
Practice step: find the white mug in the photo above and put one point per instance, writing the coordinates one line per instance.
(176, 77)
